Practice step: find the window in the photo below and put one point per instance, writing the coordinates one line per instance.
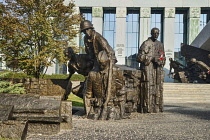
(132, 37)
(157, 21)
(109, 28)
(180, 34)
(87, 14)
(204, 18)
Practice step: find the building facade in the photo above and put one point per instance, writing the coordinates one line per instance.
(127, 23)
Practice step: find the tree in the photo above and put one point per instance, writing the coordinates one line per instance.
(33, 33)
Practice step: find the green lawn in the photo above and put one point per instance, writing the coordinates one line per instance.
(76, 101)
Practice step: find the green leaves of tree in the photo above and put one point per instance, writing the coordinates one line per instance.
(33, 33)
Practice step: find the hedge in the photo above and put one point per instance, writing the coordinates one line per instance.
(75, 77)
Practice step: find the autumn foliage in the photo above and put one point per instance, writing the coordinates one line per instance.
(34, 33)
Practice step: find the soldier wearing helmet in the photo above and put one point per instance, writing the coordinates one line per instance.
(95, 42)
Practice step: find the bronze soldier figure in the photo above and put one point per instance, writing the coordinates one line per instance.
(179, 73)
(204, 69)
(96, 91)
(175, 65)
(151, 55)
(95, 43)
(80, 63)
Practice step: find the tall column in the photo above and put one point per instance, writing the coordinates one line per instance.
(97, 18)
(145, 14)
(120, 35)
(169, 30)
(193, 23)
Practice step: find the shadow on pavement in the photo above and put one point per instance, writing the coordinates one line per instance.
(78, 111)
(194, 110)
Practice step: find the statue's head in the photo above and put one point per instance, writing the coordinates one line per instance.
(68, 52)
(170, 59)
(103, 60)
(193, 60)
(155, 33)
(86, 26)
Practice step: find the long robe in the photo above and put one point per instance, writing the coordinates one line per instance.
(152, 58)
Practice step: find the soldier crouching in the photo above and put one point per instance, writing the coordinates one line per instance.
(96, 91)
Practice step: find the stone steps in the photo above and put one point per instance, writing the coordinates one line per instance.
(186, 93)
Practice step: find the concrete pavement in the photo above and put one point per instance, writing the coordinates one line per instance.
(188, 121)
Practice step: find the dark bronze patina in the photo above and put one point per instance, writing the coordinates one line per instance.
(152, 58)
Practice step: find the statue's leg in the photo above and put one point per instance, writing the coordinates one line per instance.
(68, 90)
(161, 91)
(88, 93)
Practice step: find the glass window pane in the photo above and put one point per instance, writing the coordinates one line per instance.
(181, 16)
(135, 17)
(112, 26)
(176, 17)
(157, 21)
(132, 38)
(87, 13)
(180, 34)
(203, 21)
(109, 27)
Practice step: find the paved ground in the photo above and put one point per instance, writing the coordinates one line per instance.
(178, 122)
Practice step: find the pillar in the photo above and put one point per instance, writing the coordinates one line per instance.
(97, 19)
(193, 23)
(120, 34)
(169, 30)
(145, 14)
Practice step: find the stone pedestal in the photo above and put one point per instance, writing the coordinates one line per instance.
(13, 129)
(66, 115)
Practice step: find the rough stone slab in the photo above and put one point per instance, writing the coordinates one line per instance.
(6, 112)
(66, 114)
(12, 129)
(29, 107)
(51, 97)
(43, 128)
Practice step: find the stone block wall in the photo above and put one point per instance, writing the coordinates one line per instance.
(48, 87)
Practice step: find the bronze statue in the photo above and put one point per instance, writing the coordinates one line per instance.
(201, 65)
(96, 91)
(110, 91)
(151, 55)
(95, 43)
(106, 90)
(204, 70)
(80, 63)
(175, 65)
(179, 73)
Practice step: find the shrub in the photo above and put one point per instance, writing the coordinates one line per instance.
(75, 77)
(9, 87)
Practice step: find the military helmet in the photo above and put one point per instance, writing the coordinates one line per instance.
(86, 24)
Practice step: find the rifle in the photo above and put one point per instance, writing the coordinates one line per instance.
(108, 93)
